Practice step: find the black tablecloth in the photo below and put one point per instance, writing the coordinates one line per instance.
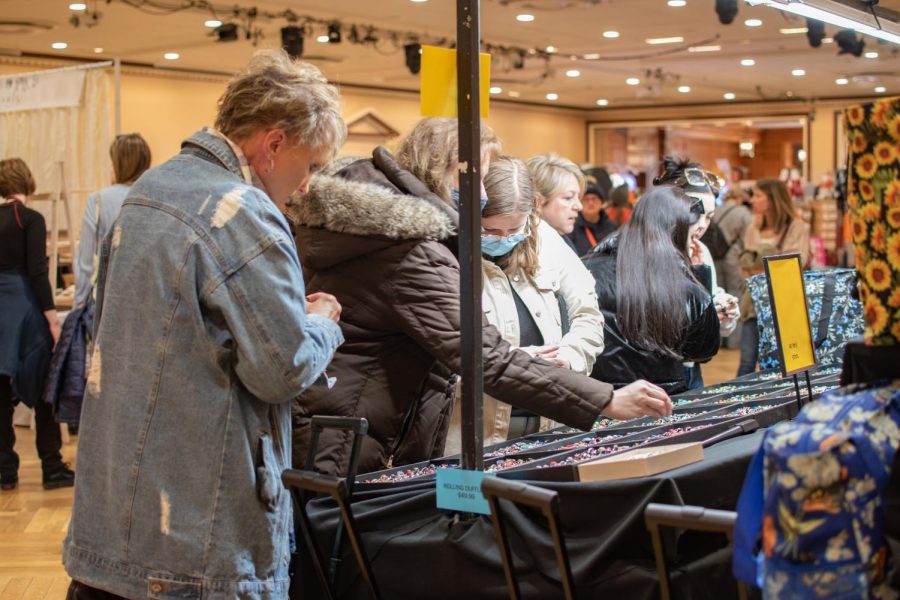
(418, 551)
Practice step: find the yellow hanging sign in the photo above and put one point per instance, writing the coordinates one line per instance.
(438, 82)
(792, 328)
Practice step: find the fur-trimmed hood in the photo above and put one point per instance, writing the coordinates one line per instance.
(369, 204)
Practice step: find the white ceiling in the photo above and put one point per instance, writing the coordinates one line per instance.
(574, 27)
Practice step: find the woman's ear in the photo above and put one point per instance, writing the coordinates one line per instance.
(275, 140)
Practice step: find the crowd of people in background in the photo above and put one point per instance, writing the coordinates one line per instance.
(252, 282)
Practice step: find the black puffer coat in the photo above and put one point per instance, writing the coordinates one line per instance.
(621, 362)
(373, 235)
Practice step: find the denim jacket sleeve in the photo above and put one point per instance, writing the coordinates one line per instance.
(280, 349)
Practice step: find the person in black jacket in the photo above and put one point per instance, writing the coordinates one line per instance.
(656, 313)
(593, 224)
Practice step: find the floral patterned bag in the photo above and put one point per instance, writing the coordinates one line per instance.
(816, 490)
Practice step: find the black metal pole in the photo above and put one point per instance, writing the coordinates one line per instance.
(468, 40)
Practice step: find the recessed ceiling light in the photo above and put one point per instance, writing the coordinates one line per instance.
(728, 95)
(828, 40)
(633, 81)
(789, 94)
(591, 56)
(323, 39)
(753, 23)
(880, 89)
(552, 96)
(602, 102)
(842, 81)
(59, 45)
(798, 72)
(212, 23)
(550, 49)
(793, 30)
(525, 18)
(871, 55)
(514, 94)
(573, 73)
(171, 56)
(496, 90)
(684, 89)
(748, 62)
(611, 34)
(704, 48)
(98, 50)
(677, 3)
(665, 40)
(78, 6)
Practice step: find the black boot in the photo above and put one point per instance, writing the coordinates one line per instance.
(59, 477)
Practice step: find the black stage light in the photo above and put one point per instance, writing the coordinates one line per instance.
(292, 40)
(413, 57)
(518, 61)
(334, 33)
(727, 11)
(849, 42)
(815, 31)
(227, 32)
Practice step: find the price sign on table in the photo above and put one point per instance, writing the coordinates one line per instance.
(461, 490)
(788, 298)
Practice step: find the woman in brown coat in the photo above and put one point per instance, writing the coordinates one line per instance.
(372, 233)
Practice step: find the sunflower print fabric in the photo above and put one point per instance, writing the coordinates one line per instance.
(873, 198)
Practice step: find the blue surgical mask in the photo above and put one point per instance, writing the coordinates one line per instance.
(454, 195)
(495, 245)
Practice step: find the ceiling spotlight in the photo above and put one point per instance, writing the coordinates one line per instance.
(59, 45)
(815, 32)
(525, 18)
(514, 94)
(753, 23)
(292, 40)
(729, 95)
(602, 102)
(727, 11)
(573, 73)
(798, 72)
(550, 49)
(849, 42)
(212, 23)
(842, 81)
(78, 6)
(171, 56)
(794, 30)
(871, 54)
(591, 56)
(684, 89)
(677, 3)
(496, 90)
(633, 81)
(323, 39)
(98, 50)
(880, 89)
(552, 96)
(610, 35)
(334, 33)
(665, 40)
(748, 62)
(518, 61)
(413, 54)
(705, 48)
(227, 32)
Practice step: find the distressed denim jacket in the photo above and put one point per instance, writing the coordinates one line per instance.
(201, 341)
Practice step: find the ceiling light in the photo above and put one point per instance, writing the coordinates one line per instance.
(849, 42)
(815, 32)
(842, 81)
(552, 96)
(412, 54)
(633, 81)
(334, 33)
(78, 6)
(322, 39)
(677, 3)
(59, 45)
(827, 40)
(227, 32)
(798, 72)
(665, 40)
(171, 56)
(98, 50)
(611, 34)
(880, 89)
(753, 23)
(871, 55)
(602, 102)
(851, 21)
(591, 56)
(525, 18)
(550, 49)
(727, 11)
(496, 90)
(212, 23)
(573, 73)
(514, 94)
(729, 95)
(748, 62)
(418, 1)
(684, 89)
(793, 30)
(704, 48)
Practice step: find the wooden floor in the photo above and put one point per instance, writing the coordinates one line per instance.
(33, 521)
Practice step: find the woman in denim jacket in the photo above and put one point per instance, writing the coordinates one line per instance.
(202, 337)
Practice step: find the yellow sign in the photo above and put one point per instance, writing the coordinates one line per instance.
(788, 298)
(438, 81)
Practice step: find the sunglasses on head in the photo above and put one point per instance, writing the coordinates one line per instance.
(700, 178)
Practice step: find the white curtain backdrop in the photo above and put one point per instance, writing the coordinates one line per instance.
(78, 136)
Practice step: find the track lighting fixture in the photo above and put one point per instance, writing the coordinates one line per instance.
(849, 42)
(727, 11)
(815, 32)
(292, 40)
(413, 57)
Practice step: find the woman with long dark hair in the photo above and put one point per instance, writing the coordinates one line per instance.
(656, 313)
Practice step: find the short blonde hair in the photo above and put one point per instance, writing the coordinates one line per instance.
(431, 152)
(130, 156)
(510, 190)
(549, 172)
(15, 178)
(277, 92)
